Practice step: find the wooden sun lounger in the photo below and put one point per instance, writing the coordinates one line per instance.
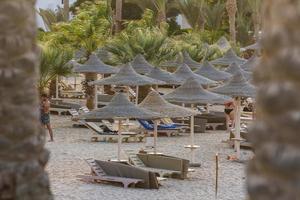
(136, 161)
(98, 175)
(126, 136)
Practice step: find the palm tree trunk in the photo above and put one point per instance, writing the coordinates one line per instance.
(231, 7)
(90, 90)
(274, 172)
(118, 18)
(22, 153)
(67, 9)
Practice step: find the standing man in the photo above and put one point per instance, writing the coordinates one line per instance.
(45, 115)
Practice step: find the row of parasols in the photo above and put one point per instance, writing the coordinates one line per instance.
(219, 86)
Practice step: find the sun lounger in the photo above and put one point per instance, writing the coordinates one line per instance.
(103, 171)
(112, 136)
(169, 131)
(165, 166)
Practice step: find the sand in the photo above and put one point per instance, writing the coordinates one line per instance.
(73, 145)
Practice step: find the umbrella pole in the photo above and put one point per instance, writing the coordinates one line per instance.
(119, 140)
(96, 97)
(217, 176)
(155, 137)
(137, 95)
(207, 108)
(192, 137)
(56, 87)
(238, 127)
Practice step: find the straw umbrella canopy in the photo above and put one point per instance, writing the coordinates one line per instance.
(184, 73)
(228, 58)
(192, 92)
(256, 46)
(159, 74)
(173, 63)
(120, 108)
(189, 61)
(128, 77)
(96, 66)
(223, 44)
(237, 87)
(250, 64)
(234, 68)
(155, 103)
(208, 71)
(140, 64)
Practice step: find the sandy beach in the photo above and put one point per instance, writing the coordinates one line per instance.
(73, 145)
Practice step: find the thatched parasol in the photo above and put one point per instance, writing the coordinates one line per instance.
(184, 73)
(234, 68)
(159, 74)
(128, 77)
(237, 87)
(140, 64)
(120, 108)
(173, 63)
(189, 61)
(228, 58)
(155, 103)
(223, 44)
(94, 65)
(192, 92)
(208, 71)
(251, 63)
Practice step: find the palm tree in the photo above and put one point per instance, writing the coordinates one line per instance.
(231, 7)
(255, 6)
(51, 17)
(52, 66)
(194, 12)
(22, 154)
(274, 171)
(67, 9)
(118, 15)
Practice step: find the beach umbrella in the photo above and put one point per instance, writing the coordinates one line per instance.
(140, 65)
(128, 77)
(250, 64)
(256, 46)
(184, 73)
(223, 44)
(173, 63)
(228, 58)
(155, 103)
(237, 87)
(234, 68)
(209, 71)
(94, 65)
(120, 108)
(162, 75)
(192, 92)
(189, 61)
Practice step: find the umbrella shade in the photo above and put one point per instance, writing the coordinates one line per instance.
(184, 73)
(173, 63)
(233, 68)
(250, 64)
(155, 103)
(120, 108)
(128, 77)
(223, 44)
(189, 61)
(208, 71)
(140, 65)
(236, 87)
(192, 92)
(255, 46)
(162, 75)
(94, 65)
(228, 58)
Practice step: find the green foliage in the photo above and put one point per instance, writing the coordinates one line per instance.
(50, 17)
(53, 63)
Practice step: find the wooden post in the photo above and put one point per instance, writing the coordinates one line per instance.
(237, 127)
(217, 176)
(56, 87)
(137, 95)
(192, 137)
(155, 136)
(119, 139)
